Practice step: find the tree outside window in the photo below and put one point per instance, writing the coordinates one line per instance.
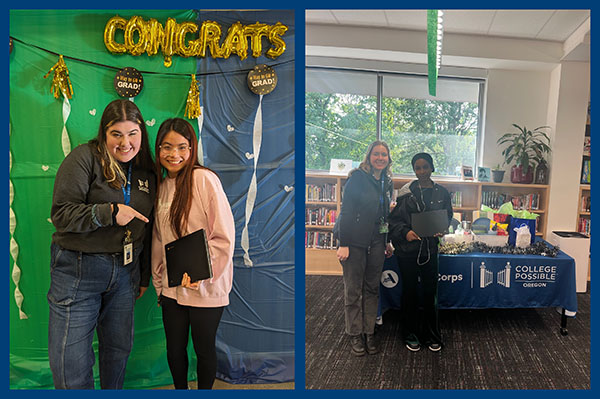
(342, 125)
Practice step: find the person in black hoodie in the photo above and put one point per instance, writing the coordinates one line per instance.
(362, 227)
(418, 256)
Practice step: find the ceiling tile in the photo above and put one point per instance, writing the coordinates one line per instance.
(468, 21)
(407, 19)
(562, 24)
(519, 23)
(360, 17)
(320, 17)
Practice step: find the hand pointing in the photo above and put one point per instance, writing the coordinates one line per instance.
(126, 214)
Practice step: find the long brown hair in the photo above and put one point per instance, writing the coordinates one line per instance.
(182, 199)
(120, 111)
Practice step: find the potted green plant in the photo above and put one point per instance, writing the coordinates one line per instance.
(497, 174)
(525, 147)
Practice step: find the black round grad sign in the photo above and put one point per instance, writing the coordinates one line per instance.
(262, 79)
(128, 82)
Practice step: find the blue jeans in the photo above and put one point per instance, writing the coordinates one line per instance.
(90, 292)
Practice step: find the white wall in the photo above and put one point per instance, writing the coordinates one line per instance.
(567, 111)
(512, 97)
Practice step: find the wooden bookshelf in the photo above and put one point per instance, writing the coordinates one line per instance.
(324, 261)
(584, 207)
(584, 214)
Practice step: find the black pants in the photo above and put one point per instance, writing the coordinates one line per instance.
(177, 320)
(419, 298)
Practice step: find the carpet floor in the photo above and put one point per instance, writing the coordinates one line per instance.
(483, 349)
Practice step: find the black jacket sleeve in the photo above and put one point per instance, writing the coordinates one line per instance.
(348, 210)
(448, 205)
(70, 210)
(399, 220)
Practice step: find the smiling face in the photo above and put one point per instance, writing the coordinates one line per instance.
(174, 152)
(423, 170)
(379, 158)
(123, 140)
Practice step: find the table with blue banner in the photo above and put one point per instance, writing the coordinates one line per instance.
(480, 280)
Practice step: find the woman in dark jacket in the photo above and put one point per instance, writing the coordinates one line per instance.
(418, 256)
(363, 240)
(102, 207)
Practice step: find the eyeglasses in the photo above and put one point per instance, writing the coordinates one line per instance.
(168, 148)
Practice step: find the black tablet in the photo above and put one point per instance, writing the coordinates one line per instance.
(428, 224)
(190, 255)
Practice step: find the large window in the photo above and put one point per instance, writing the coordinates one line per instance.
(342, 113)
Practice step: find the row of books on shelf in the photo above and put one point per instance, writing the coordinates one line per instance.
(587, 146)
(321, 192)
(586, 171)
(456, 198)
(320, 216)
(586, 203)
(320, 240)
(585, 226)
(495, 199)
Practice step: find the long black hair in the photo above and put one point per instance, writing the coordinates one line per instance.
(182, 199)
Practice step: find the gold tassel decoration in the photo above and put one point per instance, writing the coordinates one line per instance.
(192, 106)
(60, 82)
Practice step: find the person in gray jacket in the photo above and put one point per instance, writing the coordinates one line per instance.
(103, 198)
(418, 256)
(362, 227)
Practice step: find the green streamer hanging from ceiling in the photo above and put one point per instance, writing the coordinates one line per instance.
(434, 47)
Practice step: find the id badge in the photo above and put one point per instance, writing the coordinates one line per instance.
(127, 248)
(127, 254)
(383, 227)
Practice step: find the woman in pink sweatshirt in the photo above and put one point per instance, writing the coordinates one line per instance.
(190, 197)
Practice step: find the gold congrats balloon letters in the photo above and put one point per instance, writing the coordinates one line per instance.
(140, 36)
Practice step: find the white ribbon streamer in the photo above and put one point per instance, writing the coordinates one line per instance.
(14, 247)
(200, 149)
(251, 198)
(12, 219)
(66, 111)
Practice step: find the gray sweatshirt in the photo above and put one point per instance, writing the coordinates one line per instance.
(81, 210)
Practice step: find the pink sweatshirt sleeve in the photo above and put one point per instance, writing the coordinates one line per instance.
(158, 266)
(220, 224)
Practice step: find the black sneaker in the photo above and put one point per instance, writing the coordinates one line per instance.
(357, 345)
(413, 346)
(371, 345)
(412, 343)
(435, 347)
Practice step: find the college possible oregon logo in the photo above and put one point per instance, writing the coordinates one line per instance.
(528, 276)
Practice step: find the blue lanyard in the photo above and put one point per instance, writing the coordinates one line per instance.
(127, 193)
(381, 198)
